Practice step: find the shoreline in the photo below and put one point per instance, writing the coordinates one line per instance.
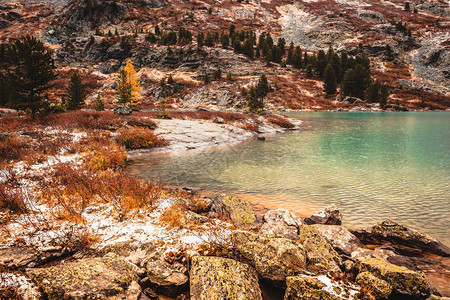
(202, 134)
(157, 234)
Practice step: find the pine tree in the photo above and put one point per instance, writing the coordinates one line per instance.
(290, 54)
(76, 94)
(384, 94)
(99, 105)
(123, 88)
(309, 71)
(321, 63)
(373, 92)
(134, 83)
(335, 61)
(253, 103)
(27, 74)
(330, 82)
(262, 88)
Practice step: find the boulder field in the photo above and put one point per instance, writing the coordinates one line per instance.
(279, 252)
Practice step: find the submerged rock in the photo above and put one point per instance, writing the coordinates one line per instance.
(339, 237)
(240, 212)
(281, 221)
(274, 257)
(402, 280)
(107, 277)
(330, 215)
(222, 278)
(403, 239)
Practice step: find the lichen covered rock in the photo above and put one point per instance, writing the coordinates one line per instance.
(339, 237)
(320, 255)
(402, 238)
(377, 287)
(240, 212)
(403, 280)
(168, 279)
(330, 215)
(281, 221)
(303, 287)
(107, 277)
(222, 278)
(274, 257)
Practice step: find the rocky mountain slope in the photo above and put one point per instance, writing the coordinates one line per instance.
(412, 58)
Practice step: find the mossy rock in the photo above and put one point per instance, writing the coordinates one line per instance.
(273, 256)
(377, 287)
(302, 287)
(240, 212)
(403, 280)
(320, 255)
(222, 278)
(107, 277)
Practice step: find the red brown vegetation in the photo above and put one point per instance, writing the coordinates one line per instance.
(71, 190)
(11, 200)
(279, 121)
(139, 138)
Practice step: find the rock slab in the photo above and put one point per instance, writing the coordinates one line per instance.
(222, 278)
(330, 215)
(273, 256)
(281, 221)
(240, 212)
(107, 277)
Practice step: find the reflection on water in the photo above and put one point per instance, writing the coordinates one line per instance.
(371, 165)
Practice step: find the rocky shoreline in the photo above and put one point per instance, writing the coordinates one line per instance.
(314, 258)
(189, 246)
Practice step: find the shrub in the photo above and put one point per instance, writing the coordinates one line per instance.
(250, 126)
(11, 147)
(104, 158)
(279, 121)
(174, 215)
(139, 138)
(12, 200)
(70, 190)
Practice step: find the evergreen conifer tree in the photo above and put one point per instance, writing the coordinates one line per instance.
(76, 94)
(99, 105)
(330, 82)
(26, 74)
(123, 89)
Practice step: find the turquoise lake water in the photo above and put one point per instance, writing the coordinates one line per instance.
(373, 166)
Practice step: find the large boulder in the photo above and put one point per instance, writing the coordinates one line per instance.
(313, 288)
(24, 257)
(107, 277)
(403, 239)
(168, 279)
(222, 278)
(377, 287)
(402, 280)
(281, 221)
(330, 215)
(339, 237)
(240, 212)
(122, 110)
(274, 257)
(320, 255)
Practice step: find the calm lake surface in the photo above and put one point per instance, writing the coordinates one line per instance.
(373, 166)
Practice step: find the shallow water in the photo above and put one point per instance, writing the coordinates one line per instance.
(373, 166)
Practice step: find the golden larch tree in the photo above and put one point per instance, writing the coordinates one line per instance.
(134, 83)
